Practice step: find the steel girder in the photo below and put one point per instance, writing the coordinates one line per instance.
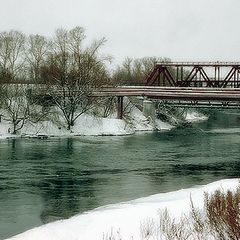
(195, 74)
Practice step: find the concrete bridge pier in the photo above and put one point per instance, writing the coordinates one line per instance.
(120, 107)
(149, 111)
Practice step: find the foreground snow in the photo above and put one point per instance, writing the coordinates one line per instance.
(124, 219)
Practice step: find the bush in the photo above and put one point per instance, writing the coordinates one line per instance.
(223, 215)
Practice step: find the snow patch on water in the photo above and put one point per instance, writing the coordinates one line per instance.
(224, 130)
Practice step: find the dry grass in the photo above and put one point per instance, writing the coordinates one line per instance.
(220, 217)
(113, 235)
(223, 214)
(171, 229)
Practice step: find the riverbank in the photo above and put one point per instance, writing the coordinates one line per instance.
(87, 125)
(124, 220)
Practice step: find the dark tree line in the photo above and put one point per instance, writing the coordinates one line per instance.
(135, 71)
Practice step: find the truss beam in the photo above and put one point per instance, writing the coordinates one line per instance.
(195, 74)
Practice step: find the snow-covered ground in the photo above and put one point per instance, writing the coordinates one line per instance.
(95, 126)
(124, 220)
(193, 116)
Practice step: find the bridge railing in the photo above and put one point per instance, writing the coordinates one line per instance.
(210, 64)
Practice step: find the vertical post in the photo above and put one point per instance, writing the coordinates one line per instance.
(237, 78)
(164, 76)
(218, 74)
(177, 76)
(215, 76)
(120, 107)
(233, 81)
(181, 84)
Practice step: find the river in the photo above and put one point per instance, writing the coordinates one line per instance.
(46, 180)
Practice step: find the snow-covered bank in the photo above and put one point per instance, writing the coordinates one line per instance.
(124, 219)
(193, 116)
(87, 125)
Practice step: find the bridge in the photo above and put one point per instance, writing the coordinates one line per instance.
(185, 84)
(195, 74)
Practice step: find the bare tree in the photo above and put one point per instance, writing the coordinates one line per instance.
(12, 71)
(69, 71)
(19, 106)
(72, 71)
(1, 100)
(36, 54)
(16, 106)
(135, 71)
(12, 57)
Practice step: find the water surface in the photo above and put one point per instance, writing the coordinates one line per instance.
(47, 180)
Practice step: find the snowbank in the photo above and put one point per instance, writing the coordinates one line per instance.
(124, 219)
(193, 116)
(87, 125)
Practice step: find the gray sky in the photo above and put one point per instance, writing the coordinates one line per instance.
(180, 29)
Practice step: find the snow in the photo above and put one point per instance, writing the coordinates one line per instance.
(162, 126)
(139, 121)
(193, 116)
(124, 219)
(4, 126)
(87, 125)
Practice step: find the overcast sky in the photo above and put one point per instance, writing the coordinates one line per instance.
(180, 29)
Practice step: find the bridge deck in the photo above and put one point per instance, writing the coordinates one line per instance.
(174, 93)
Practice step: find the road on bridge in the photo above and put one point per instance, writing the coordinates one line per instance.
(173, 93)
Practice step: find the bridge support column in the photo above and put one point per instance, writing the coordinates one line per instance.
(149, 111)
(119, 107)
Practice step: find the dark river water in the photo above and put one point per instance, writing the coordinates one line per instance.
(45, 180)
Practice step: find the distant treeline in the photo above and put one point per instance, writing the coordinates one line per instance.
(40, 59)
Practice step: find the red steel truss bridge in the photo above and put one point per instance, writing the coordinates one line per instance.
(195, 74)
(196, 84)
(185, 84)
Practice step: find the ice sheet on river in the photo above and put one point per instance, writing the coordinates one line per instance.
(125, 218)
